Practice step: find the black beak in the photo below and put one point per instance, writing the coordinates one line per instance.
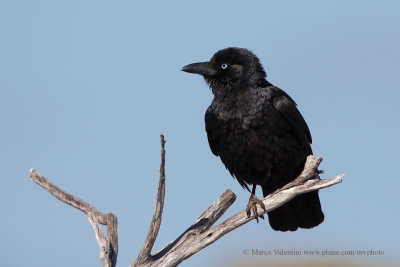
(203, 68)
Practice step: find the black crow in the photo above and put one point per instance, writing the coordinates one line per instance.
(259, 134)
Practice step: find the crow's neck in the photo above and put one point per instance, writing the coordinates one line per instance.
(219, 87)
(236, 101)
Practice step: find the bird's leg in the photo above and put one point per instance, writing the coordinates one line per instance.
(252, 205)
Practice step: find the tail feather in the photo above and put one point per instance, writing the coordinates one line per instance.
(303, 211)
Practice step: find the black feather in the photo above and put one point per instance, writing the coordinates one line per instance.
(258, 132)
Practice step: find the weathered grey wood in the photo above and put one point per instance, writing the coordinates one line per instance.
(173, 253)
(108, 246)
(99, 237)
(144, 255)
(201, 233)
(111, 251)
(65, 197)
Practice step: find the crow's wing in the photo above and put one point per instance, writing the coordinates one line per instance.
(213, 131)
(285, 105)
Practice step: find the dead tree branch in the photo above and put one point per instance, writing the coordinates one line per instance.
(201, 233)
(144, 254)
(108, 246)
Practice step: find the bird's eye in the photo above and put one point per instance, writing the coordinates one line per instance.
(224, 66)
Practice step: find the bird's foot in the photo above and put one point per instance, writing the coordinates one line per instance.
(253, 201)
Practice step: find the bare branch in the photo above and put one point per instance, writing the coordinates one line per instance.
(144, 254)
(168, 255)
(108, 246)
(199, 235)
(65, 197)
(97, 230)
(112, 239)
(99, 237)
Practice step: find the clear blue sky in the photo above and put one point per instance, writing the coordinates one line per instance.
(86, 87)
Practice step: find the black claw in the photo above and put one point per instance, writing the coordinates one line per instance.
(263, 206)
(255, 211)
(252, 207)
(248, 211)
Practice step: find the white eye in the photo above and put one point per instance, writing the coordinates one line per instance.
(224, 66)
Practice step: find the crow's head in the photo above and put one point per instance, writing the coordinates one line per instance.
(230, 68)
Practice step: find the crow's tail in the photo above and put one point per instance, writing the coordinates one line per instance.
(303, 211)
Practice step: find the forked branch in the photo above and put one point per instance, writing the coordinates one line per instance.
(144, 254)
(108, 245)
(201, 233)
